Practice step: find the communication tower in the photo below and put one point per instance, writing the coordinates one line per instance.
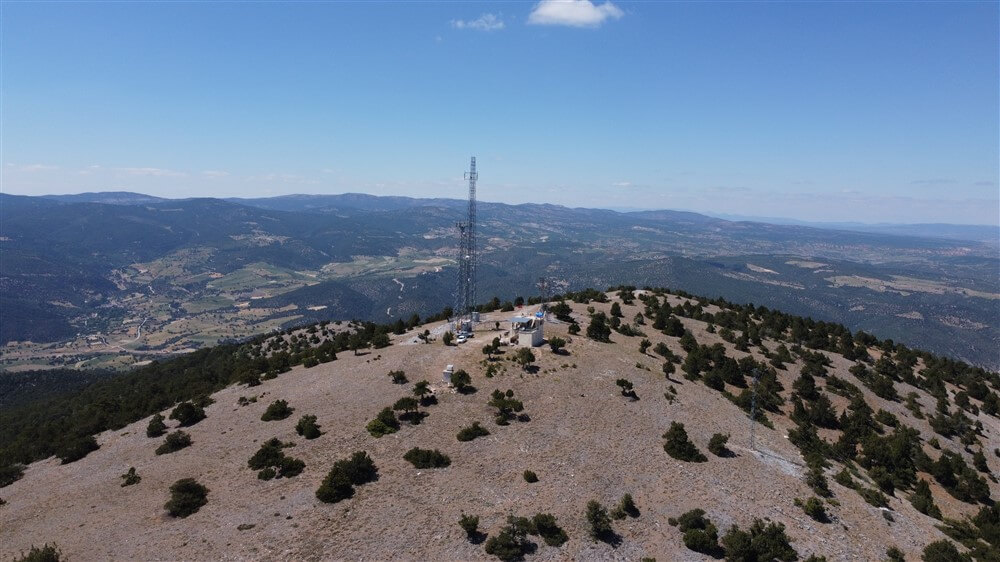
(543, 290)
(468, 257)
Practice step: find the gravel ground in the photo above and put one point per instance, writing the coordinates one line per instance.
(584, 440)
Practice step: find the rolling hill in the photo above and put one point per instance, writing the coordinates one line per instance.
(109, 280)
(861, 447)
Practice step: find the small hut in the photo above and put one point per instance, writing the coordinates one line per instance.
(527, 331)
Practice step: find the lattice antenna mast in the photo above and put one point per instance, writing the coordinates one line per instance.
(471, 249)
(543, 289)
(465, 298)
(463, 274)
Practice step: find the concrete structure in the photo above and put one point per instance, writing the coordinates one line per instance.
(448, 372)
(527, 331)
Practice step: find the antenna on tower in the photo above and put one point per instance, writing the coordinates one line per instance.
(543, 289)
(468, 258)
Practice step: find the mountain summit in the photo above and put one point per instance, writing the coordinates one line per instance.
(626, 435)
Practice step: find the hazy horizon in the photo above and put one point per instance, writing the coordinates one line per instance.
(724, 216)
(821, 112)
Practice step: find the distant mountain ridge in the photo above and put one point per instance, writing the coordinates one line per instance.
(107, 197)
(974, 232)
(198, 269)
(351, 202)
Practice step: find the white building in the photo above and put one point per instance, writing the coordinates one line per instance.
(527, 331)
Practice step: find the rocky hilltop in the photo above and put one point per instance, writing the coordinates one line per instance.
(863, 449)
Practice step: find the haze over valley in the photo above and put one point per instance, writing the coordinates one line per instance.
(108, 280)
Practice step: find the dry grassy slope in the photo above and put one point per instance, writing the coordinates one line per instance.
(584, 440)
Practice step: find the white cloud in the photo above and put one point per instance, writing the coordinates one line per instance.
(281, 179)
(154, 172)
(574, 13)
(38, 168)
(485, 22)
(933, 181)
(622, 184)
(727, 189)
(31, 167)
(215, 173)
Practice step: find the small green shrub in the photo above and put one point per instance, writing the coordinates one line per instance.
(307, 427)
(77, 448)
(47, 553)
(873, 496)
(472, 432)
(626, 507)
(506, 405)
(530, 477)
(511, 543)
(943, 551)
(705, 541)
(816, 479)
(410, 407)
(340, 481)
(470, 524)
(10, 473)
(186, 497)
(844, 479)
(893, 554)
(335, 487)
(398, 377)
(156, 426)
(546, 527)
(699, 533)
(813, 507)
(426, 458)
(272, 462)
(717, 445)
(462, 382)
(627, 389)
(269, 454)
(277, 410)
(289, 467)
(599, 522)
(187, 413)
(693, 519)
(383, 424)
(679, 447)
(524, 357)
(359, 468)
(557, 345)
(131, 477)
(174, 442)
(923, 501)
(761, 542)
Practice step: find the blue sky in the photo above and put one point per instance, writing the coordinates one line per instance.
(875, 112)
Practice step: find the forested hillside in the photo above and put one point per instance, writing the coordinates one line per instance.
(127, 278)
